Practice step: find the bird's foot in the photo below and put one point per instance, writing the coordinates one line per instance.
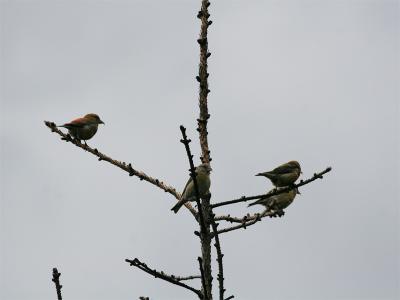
(277, 213)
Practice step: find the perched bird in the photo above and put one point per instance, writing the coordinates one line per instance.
(203, 184)
(278, 202)
(83, 128)
(283, 175)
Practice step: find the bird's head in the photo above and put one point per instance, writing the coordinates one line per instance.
(204, 168)
(93, 118)
(295, 165)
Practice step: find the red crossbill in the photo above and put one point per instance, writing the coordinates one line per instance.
(83, 128)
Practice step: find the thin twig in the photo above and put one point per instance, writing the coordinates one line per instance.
(275, 191)
(56, 280)
(184, 278)
(219, 259)
(122, 165)
(159, 274)
(229, 218)
(230, 297)
(249, 222)
(203, 279)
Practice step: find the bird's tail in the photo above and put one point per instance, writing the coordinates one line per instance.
(178, 205)
(266, 174)
(256, 202)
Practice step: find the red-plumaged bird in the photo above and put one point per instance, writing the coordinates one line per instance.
(83, 128)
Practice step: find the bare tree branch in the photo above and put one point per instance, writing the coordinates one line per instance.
(202, 78)
(230, 297)
(248, 220)
(274, 191)
(231, 219)
(251, 221)
(184, 278)
(122, 165)
(219, 259)
(56, 280)
(203, 279)
(160, 274)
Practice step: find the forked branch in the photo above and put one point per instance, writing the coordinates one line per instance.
(160, 274)
(246, 222)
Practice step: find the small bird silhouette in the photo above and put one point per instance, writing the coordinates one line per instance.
(83, 128)
(203, 185)
(283, 175)
(278, 202)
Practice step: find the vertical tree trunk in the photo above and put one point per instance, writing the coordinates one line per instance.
(205, 236)
(206, 250)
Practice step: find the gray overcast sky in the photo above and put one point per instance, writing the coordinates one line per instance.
(316, 81)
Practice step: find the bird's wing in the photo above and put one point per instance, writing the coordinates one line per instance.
(263, 201)
(186, 186)
(282, 169)
(77, 123)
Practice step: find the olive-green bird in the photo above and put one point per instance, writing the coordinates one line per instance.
(278, 202)
(283, 175)
(203, 184)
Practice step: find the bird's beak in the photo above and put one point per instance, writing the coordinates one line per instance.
(101, 122)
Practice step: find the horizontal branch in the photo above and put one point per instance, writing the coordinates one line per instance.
(248, 221)
(160, 274)
(274, 191)
(183, 278)
(231, 219)
(122, 165)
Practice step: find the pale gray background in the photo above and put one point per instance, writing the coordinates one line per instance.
(315, 81)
